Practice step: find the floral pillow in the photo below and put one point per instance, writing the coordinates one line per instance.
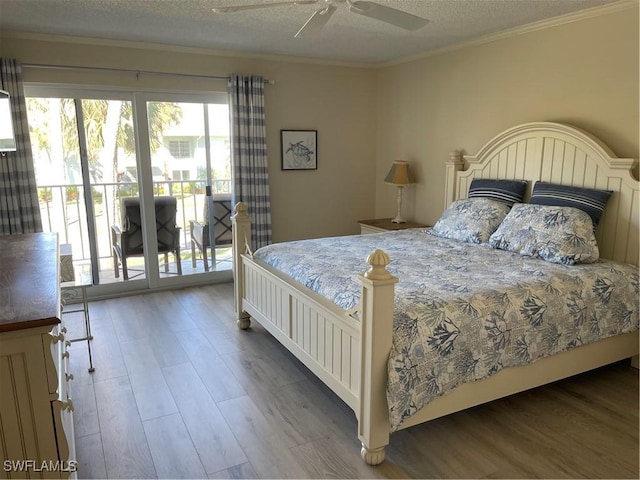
(471, 220)
(555, 234)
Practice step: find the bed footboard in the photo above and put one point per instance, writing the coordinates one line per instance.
(348, 351)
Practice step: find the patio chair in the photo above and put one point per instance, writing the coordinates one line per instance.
(127, 241)
(200, 236)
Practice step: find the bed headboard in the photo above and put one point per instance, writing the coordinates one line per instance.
(559, 153)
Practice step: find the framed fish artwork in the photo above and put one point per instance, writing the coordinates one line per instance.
(299, 149)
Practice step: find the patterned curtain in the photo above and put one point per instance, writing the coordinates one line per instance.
(19, 208)
(249, 154)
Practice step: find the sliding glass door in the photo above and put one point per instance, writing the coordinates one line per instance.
(195, 158)
(95, 152)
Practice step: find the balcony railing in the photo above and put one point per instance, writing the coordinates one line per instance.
(63, 210)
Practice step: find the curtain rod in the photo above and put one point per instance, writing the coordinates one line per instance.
(124, 70)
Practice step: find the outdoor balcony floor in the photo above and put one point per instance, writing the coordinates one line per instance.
(136, 267)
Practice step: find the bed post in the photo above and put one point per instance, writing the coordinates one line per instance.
(241, 229)
(454, 165)
(376, 323)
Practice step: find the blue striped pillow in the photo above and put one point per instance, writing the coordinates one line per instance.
(505, 191)
(588, 200)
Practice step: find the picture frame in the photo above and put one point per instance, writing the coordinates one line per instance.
(299, 149)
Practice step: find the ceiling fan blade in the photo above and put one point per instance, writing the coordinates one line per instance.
(386, 14)
(318, 20)
(254, 6)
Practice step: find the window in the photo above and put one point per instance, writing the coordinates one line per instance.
(179, 148)
(86, 159)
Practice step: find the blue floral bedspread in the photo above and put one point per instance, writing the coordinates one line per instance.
(466, 311)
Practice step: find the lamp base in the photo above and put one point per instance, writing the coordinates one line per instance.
(399, 218)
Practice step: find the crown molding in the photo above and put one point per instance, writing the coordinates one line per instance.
(521, 30)
(107, 42)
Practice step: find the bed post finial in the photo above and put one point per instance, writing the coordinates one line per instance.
(454, 165)
(456, 156)
(241, 230)
(241, 210)
(378, 270)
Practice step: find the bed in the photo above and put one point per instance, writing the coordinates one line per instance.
(351, 340)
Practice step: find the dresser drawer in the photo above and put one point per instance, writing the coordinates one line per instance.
(57, 363)
(63, 420)
(27, 429)
(367, 229)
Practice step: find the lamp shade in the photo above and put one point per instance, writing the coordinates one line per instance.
(7, 139)
(400, 174)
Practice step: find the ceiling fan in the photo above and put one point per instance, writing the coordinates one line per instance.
(321, 16)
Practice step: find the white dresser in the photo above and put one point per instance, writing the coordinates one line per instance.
(36, 419)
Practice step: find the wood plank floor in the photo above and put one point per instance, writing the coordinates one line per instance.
(180, 392)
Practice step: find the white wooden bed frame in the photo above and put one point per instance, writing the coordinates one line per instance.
(350, 356)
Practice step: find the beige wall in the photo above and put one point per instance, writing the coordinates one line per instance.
(584, 73)
(337, 101)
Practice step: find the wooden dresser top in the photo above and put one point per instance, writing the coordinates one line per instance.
(29, 281)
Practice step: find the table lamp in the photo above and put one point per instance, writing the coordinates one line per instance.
(399, 175)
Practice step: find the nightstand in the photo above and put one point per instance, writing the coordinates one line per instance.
(377, 225)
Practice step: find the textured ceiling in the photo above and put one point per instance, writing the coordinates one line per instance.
(347, 37)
